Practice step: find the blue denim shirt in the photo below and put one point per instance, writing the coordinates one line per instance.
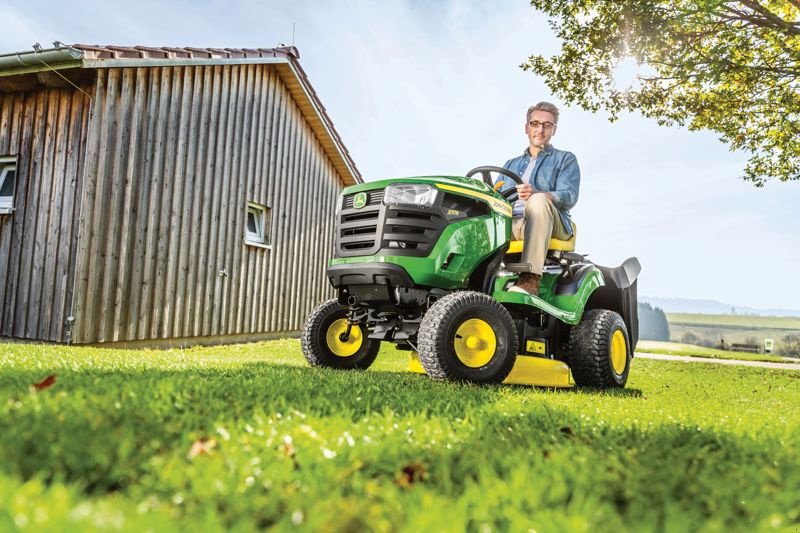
(555, 171)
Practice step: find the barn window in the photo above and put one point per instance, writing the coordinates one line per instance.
(8, 183)
(257, 232)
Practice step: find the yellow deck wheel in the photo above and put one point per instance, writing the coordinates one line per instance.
(337, 345)
(475, 343)
(618, 352)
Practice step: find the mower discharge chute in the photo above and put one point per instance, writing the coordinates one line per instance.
(426, 263)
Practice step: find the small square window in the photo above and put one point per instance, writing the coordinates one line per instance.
(8, 183)
(257, 231)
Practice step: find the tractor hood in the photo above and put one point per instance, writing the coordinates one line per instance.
(453, 181)
(470, 187)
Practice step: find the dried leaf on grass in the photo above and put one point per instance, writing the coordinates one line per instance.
(410, 474)
(288, 449)
(202, 446)
(46, 383)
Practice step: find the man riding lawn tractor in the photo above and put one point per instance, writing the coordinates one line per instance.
(429, 264)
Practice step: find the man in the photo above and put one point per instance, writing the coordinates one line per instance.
(550, 182)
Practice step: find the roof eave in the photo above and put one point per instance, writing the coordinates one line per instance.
(40, 60)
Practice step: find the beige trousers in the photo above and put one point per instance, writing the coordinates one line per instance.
(540, 222)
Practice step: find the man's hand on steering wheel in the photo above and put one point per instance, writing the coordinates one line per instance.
(486, 172)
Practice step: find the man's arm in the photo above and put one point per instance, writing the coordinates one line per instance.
(568, 184)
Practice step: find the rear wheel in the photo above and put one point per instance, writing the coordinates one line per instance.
(468, 336)
(599, 350)
(326, 342)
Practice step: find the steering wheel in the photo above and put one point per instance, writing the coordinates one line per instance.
(486, 172)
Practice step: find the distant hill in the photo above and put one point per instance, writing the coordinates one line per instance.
(713, 307)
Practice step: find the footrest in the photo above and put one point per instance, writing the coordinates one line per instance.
(519, 267)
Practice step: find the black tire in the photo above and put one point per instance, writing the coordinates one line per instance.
(595, 351)
(320, 350)
(488, 326)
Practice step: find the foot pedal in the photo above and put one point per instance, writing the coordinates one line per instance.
(519, 267)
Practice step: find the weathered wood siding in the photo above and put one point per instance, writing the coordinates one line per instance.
(173, 156)
(46, 130)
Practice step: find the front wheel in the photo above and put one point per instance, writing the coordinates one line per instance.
(326, 343)
(468, 336)
(599, 350)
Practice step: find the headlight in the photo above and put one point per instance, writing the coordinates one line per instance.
(410, 195)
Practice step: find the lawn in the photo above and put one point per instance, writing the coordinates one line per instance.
(675, 348)
(244, 437)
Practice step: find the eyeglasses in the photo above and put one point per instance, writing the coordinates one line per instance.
(546, 125)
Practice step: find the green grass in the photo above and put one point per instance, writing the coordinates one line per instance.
(675, 348)
(683, 448)
(736, 321)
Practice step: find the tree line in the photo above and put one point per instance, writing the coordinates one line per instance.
(653, 324)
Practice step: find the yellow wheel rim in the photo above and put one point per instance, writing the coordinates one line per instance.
(619, 352)
(337, 345)
(475, 343)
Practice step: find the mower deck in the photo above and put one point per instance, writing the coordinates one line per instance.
(535, 371)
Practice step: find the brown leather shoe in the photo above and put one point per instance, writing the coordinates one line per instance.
(527, 283)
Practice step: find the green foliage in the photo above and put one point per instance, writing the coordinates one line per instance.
(684, 448)
(730, 66)
(653, 323)
(790, 345)
(752, 341)
(690, 338)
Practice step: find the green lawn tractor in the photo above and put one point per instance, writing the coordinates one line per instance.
(426, 263)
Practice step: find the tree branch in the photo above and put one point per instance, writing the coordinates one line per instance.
(775, 20)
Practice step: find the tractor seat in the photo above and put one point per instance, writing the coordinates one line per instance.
(515, 247)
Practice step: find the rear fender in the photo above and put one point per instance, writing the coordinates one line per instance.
(619, 294)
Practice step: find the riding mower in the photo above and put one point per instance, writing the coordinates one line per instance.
(426, 263)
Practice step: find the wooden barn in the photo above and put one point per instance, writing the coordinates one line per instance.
(163, 193)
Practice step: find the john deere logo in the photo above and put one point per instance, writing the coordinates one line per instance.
(360, 200)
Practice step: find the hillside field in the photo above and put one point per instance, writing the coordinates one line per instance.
(736, 321)
(249, 437)
(731, 328)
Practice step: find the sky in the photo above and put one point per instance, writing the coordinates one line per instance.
(426, 88)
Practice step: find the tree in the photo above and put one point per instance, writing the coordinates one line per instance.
(790, 345)
(653, 324)
(732, 67)
(690, 338)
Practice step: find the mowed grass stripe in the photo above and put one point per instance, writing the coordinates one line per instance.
(735, 321)
(685, 447)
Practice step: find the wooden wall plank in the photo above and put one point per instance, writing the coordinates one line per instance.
(134, 95)
(114, 215)
(150, 312)
(71, 211)
(175, 232)
(211, 203)
(45, 315)
(185, 292)
(30, 217)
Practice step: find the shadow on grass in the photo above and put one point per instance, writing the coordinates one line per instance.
(110, 430)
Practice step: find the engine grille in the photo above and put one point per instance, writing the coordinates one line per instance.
(412, 231)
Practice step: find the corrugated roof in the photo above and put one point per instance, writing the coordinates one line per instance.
(93, 51)
(285, 59)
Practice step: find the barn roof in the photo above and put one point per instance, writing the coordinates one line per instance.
(285, 59)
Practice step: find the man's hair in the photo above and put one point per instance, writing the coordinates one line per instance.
(543, 106)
